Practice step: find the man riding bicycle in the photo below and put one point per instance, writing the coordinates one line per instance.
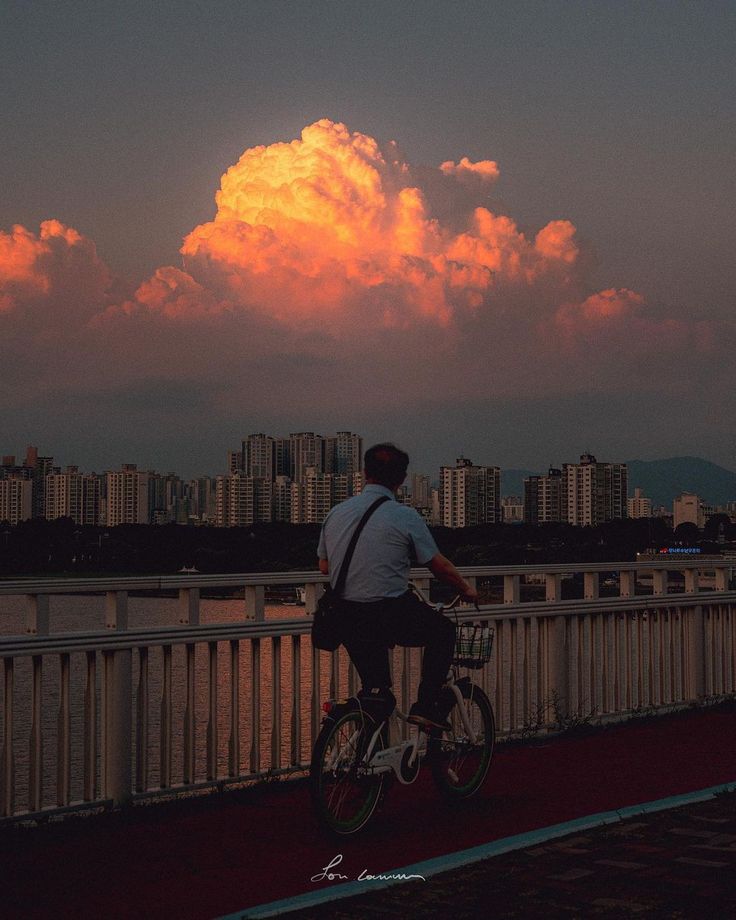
(379, 609)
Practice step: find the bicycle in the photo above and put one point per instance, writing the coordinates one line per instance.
(353, 761)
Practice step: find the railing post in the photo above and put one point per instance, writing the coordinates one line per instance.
(627, 583)
(696, 652)
(7, 758)
(255, 603)
(212, 733)
(117, 768)
(189, 614)
(116, 610)
(189, 606)
(591, 586)
(511, 593)
(312, 593)
(692, 581)
(659, 581)
(559, 670)
(35, 747)
(553, 583)
(37, 614)
(90, 728)
(37, 623)
(721, 579)
(233, 746)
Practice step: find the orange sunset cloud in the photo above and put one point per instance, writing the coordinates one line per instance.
(334, 220)
(326, 249)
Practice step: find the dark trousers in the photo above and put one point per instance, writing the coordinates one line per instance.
(370, 630)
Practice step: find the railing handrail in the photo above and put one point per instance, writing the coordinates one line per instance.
(57, 585)
(113, 640)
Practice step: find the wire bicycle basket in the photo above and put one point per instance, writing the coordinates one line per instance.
(473, 645)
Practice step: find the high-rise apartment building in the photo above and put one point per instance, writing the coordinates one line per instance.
(469, 494)
(41, 467)
(235, 461)
(169, 500)
(688, 508)
(306, 451)
(420, 491)
(281, 499)
(593, 492)
(203, 500)
(343, 454)
(639, 506)
(543, 498)
(319, 491)
(435, 513)
(9, 469)
(74, 495)
(242, 500)
(282, 456)
(127, 496)
(308, 474)
(16, 499)
(35, 469)
(258, 456)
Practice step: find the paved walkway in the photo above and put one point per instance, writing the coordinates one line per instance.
(220, 855)
(679, 863)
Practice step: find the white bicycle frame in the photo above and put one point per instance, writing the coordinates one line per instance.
(390, 759)
(404, 755)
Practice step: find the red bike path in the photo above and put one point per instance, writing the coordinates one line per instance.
(209, 857)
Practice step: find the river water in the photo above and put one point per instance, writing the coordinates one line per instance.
(86, 613)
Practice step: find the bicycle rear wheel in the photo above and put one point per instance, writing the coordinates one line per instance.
(460, 765)
(345, 792)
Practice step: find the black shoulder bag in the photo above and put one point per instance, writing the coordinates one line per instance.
(326, 632)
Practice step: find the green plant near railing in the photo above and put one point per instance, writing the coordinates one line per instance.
(538, 719)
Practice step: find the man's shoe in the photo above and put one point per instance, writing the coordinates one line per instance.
(428, 716)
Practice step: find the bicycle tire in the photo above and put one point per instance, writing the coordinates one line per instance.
(459, 768)
(344, 793)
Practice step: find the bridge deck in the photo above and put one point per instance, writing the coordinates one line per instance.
(217, 855)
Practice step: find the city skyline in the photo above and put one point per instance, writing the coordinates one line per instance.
(297, 479)
(224, 465)
(532, 243)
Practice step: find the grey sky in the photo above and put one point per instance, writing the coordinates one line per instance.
(119, 120)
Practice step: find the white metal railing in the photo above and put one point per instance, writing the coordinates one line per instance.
(94, 717)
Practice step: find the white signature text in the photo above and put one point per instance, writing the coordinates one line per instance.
(365, 876)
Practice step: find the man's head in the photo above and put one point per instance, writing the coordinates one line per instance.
(386, 464)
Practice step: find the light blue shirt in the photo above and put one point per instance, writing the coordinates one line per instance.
(394, 538)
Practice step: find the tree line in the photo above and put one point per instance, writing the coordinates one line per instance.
(41, 547)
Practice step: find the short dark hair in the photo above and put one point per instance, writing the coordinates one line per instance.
(386, 464)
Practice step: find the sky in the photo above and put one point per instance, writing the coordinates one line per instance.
(502, 230)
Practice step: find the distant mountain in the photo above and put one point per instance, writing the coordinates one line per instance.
(660, 480)
(663, 480)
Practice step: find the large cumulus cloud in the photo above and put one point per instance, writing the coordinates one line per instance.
(334, 225)
(327, 275)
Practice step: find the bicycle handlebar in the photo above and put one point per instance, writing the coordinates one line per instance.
(452, 604)
(455, 601)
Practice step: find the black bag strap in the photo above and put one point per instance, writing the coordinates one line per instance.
(343, 573)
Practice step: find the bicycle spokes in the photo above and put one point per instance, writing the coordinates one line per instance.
(345, 790)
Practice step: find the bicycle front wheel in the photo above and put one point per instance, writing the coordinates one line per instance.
(345, 792)
(460, 759)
